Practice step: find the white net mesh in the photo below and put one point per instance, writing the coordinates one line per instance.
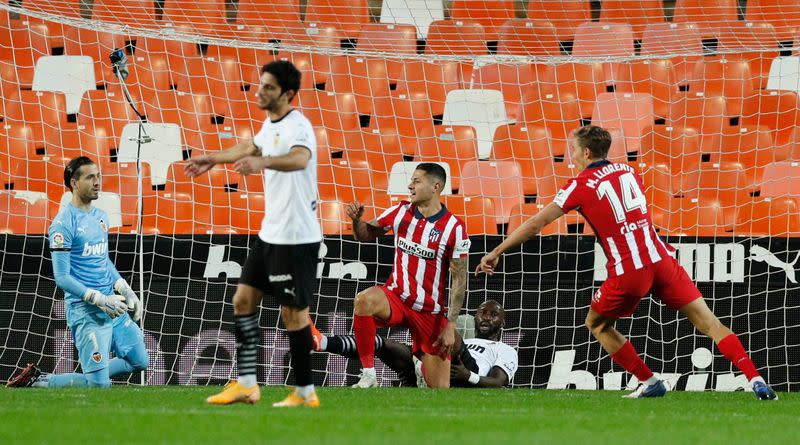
(704, 105)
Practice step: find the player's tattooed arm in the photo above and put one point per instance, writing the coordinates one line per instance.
(458, 287)
(363, 231)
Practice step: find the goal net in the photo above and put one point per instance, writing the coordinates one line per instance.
(703, 105)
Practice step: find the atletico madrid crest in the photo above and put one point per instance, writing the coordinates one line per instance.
(434, 235)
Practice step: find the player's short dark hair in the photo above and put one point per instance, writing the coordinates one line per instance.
(286, 74)
(433, 170)
(595, 138)
(73, 169)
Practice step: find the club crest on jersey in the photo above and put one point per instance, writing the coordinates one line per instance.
(58, 240)
(103, 225)
(97, 357)
(434, 235)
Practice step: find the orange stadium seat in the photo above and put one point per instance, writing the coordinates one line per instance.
(19, 215)
(406, 115)
(556, 176)
(524, 37)
(209, 75)
(122, 178)
(668, 39)
(708, 115)
(750, 146)
(106, 109)
(660, 183)
(177, 213)
(604, 39)
(565, 15)
(476, 212)
(141, 12)
(768, 217)
(636, 13)
(698, 217)
(729, 182)
(629, 112)
(777, 110)
(490, 14)
(278, 17)
(456, 37)
(754, 43)
(434, 78)
(709, 14)
(562, 226)
(511, 79)
(389, 38)
(584, 80)
(163, 47)
(499, 180)
(781, 179)
(558, 112)
(526, 145)
(18, 143)
(208, 17)
(654, 77)
(95, 44)
(728, 78)
(677, 147)
(333, 218)
(782, 15)
(247, 211)
(346, 15)
(95, 143)
(366, 78)
(455, 145)
(44, 111)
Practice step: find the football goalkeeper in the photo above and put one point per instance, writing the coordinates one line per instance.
(97, 299)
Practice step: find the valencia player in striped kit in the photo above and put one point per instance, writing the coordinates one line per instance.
(431, 248)
(610, 197)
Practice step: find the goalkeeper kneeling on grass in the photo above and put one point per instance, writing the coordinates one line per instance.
(483, 361)
(97, 299)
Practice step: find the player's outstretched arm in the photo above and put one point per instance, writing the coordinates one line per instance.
(363, 231)
(530, 228)
(202, 164)
(296, 159)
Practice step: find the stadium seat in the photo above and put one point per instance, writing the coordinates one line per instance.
(45, 112)
(105, 109)
(149, 47)
(109, 202)
(279, 17)
(484, 110)
(208, 17)
(660, 183)
(23, 212)
(750, 146)
(476, 212)
(141, 12)
(401, 173)
(314, 67)
(636, 13)
(211, 75)
(524, 37)
(629, 112)
(677, 147)
(565, 15)
(456, 37)
(583, 80)
(96, 143)
(366, 78)
(604, 39)
(164, 148)
(28, 44)
(753, 42)
(708, 115)
(555, 177)
(566, 225)
(420, 13)
(728, 78)
(499, 180)
(698, 217)
(346, 15)
(333, 218)
(775, 217)
(526, 145)
(70, 75)
(18, 143)
(177, 214)
(668, 39)
(490, 14)
(242, 212)
(512, 80)
(782, 15)
(454, 145)
(337, 112)
(559, 113)
(781, 179)
(710, 15)
(654, 77)
(777, 110)
(729, 182)
(405, 116)
(388, 38)
(121, 178)
(433, 78)
(95, 44)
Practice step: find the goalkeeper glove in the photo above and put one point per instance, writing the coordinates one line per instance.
(134, 304)
(113, 305)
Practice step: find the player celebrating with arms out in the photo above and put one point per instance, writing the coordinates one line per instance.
(429, 241)
(610, 198)
(283, 259)
(97, 318)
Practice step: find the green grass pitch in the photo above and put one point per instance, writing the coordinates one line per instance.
(178, 415)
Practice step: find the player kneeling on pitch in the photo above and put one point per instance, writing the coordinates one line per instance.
(610, 197)
(482, 362)
(97, 317)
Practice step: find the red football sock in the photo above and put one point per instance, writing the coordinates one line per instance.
(629, 359)
(733, 350)
(364, 330)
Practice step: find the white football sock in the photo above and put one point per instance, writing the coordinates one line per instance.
(758, 379)
(652, 380)
(304, 391)
(248, 380)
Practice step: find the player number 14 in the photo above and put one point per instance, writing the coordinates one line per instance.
(632, 196)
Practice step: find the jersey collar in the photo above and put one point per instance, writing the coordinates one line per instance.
(282, 117)
(600, 163)
(433, 218)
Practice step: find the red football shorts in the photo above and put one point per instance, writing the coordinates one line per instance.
(666, 280)
(424, 327)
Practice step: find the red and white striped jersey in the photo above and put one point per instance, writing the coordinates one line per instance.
(423, 250)
(610, 196)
